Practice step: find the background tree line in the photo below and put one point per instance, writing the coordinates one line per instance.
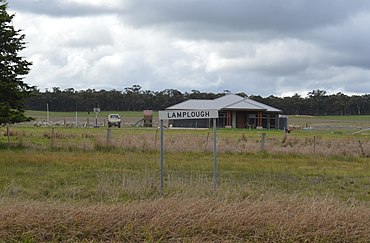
(135, 98)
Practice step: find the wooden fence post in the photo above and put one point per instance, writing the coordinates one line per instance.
(263, 141)
(8, 134)
(205, 147)
(52, 138)
(361, 148)
(108, 135)
(155, 139)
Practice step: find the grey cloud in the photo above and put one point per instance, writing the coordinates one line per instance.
(350, 41)
(255, 46)
(59, 8)
(89, 38)
(339, 27)
(251, 15)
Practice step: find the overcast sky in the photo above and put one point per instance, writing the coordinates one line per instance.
(259, 47)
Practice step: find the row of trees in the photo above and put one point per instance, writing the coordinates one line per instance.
(13, 69)
(135, 98)
(318, 103)
(131, 99)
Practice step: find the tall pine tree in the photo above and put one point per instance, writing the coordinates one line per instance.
(13, 68)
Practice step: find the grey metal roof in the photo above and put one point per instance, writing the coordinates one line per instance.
(267, 107)
(243, 105)
(228, 99)
(227, 102)
(192, 105)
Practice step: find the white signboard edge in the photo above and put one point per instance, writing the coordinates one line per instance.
(187, 114)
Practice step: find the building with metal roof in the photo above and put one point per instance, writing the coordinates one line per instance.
(234, 112)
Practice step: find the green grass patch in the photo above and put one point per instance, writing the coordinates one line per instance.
(126, 176)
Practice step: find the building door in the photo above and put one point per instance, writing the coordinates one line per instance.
(228, 120)
(241, 118)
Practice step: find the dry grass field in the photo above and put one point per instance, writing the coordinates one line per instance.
(78, 185)
(187, 220)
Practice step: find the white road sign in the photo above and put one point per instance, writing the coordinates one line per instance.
(187, 114)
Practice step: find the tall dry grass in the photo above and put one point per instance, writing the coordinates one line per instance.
(233, 142)
(348, 146)
(188, 219)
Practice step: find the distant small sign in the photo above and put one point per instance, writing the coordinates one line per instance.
(187, 114)
(96, 110)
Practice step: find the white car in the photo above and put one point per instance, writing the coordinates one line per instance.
(114, 120)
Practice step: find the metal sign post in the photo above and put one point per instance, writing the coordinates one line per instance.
(162, 163)
(188, 114)
(96, 110)
(214, 156)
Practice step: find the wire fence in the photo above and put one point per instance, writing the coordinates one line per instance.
(182, 141)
